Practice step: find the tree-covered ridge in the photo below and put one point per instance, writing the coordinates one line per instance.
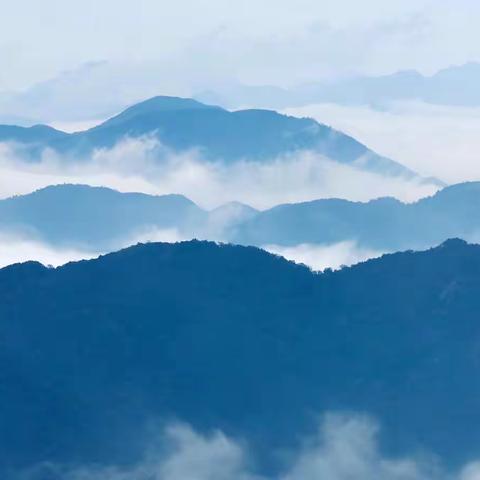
(232, 337)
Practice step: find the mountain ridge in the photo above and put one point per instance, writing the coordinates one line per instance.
(184, 125)
(394, 337)
(454, 85)
(106, 219)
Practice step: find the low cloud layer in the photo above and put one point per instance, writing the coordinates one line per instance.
(434, 140)
(16, 248)
(144, 165)
(344, 448)
(133, 165)
(320, 257)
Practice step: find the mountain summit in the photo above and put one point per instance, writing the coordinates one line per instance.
(156, 105)
(219, 135)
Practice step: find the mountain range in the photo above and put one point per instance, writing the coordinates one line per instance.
(384, 224)
(96, 218)
(233, 338)
(455, 85)
(186, 125)
(99, 219)
(90, 92)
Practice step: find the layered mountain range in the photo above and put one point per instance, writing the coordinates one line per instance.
(100, 219)
(97, 356)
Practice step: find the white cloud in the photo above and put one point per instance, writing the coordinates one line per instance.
(145, 165)
(154, 234)
(18, 176)
(202, 458)
(134, 165)
(344, 448)
(19, 247)
(471, 472)
(439, 141)
(320, 257)
(16, 248)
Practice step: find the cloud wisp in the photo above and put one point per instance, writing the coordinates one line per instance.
(345, 447)
(144, 165)
(19, 248)
(320, 257)
(434, 140)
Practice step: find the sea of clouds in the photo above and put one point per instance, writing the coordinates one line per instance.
(433, 140)
(145, 165)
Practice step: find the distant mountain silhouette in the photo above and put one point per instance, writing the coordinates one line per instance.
(96, 91)
(220, 135)
(385, 224)
(37, 134)
(455, 85)
(235, 338)
(96, 218)
(101, 219)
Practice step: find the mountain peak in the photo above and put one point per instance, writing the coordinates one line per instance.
(454, 243)
(159, 104)
(166, 103)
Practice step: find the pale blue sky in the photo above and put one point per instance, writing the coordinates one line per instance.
(272, 41)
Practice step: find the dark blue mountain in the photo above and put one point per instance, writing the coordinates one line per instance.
(235, 338)
(185, 124)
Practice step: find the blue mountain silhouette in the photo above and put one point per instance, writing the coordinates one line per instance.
(218, 134)
(234, 338)
(101, 219)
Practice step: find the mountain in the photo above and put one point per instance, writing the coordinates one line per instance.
(385, 224)
(97, 218)
(184, 125)
(97, 90)
(455, 85)
(234, 338)
(100, 219)
(37, 134)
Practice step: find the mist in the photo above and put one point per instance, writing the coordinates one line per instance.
(19, 248)
(345, 447)
(145, 165)
(320, 257)
(433, 140)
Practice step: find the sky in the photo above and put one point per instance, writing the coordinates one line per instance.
(206, 41)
